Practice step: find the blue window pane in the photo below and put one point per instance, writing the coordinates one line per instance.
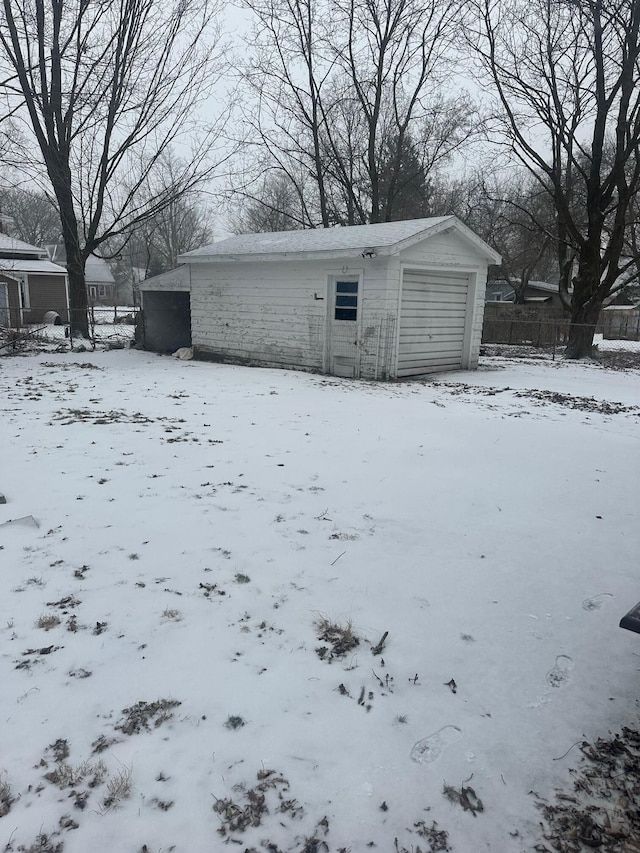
(346, 287)
(346, 314)
(347, 300)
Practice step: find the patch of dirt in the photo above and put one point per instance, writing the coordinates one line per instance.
(69, 365)
(115, 416)
(584, 404)
(621, 360)
(541, 398)
(603, 811)
(140, 715)
(251, 805)
(341, 639)
(465, 797)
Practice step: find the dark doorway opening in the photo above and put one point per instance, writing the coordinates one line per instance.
(167, 320)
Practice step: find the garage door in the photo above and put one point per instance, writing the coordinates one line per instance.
(432, 322)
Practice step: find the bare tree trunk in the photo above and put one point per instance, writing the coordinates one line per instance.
(585, 313)
(584, 320)
(78, 302)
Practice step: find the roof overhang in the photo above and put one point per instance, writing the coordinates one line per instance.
(34, 266)
(363, 252)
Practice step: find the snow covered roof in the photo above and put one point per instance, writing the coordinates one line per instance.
(544, 286)
(97, 271)
(384, 238)
(177, 279)
(26, 265)
(10, 246)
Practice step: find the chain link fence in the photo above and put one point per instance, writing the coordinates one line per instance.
(524, 329)
(110, 327)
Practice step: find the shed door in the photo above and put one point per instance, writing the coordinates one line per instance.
(432, 321)
(344, 304)
(4, 304)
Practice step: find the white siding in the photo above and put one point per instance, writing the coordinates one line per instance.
(477, 317)
(277, 313)
(449, 252)
(274, 313)
(447, 248)
(433, 317)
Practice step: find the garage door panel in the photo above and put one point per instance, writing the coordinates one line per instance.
(432, 322)
(437, 315)
(416, 354)
(432, 292)
(417, 342)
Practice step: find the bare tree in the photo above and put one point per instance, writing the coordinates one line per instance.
(184, 223)
(106, 88)
(35, 219)
(274, 207)
(344, 91)
(515, 215)
(566, 74)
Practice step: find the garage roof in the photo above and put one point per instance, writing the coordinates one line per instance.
(384, 238)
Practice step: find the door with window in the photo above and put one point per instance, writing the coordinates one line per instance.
(344, 323)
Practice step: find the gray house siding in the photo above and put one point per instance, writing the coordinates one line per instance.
(46, 293)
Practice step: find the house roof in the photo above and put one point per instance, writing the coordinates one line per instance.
(27, 265)
(96, 269)
(544, 286)
(10, 246)
(384, 238)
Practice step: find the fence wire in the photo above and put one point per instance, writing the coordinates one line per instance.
(548, 336)
(109, 327)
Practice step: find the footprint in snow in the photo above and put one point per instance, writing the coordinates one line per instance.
(595, 602)
(561, 672)
(431, 748)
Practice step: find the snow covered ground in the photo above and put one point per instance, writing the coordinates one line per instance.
(164, 684)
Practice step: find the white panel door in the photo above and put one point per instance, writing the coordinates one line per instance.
(344, 321)
(433, 316)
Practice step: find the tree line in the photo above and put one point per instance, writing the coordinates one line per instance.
(522, 117)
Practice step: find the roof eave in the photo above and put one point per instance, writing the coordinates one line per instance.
(362, 252)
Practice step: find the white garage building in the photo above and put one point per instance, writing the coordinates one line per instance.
(390, 300)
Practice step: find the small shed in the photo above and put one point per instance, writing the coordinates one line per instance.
(390, 300)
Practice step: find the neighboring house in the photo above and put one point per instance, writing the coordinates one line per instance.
(127, 284)
(536, 292)
(373, 301)
(101, 285)
(30, 284)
